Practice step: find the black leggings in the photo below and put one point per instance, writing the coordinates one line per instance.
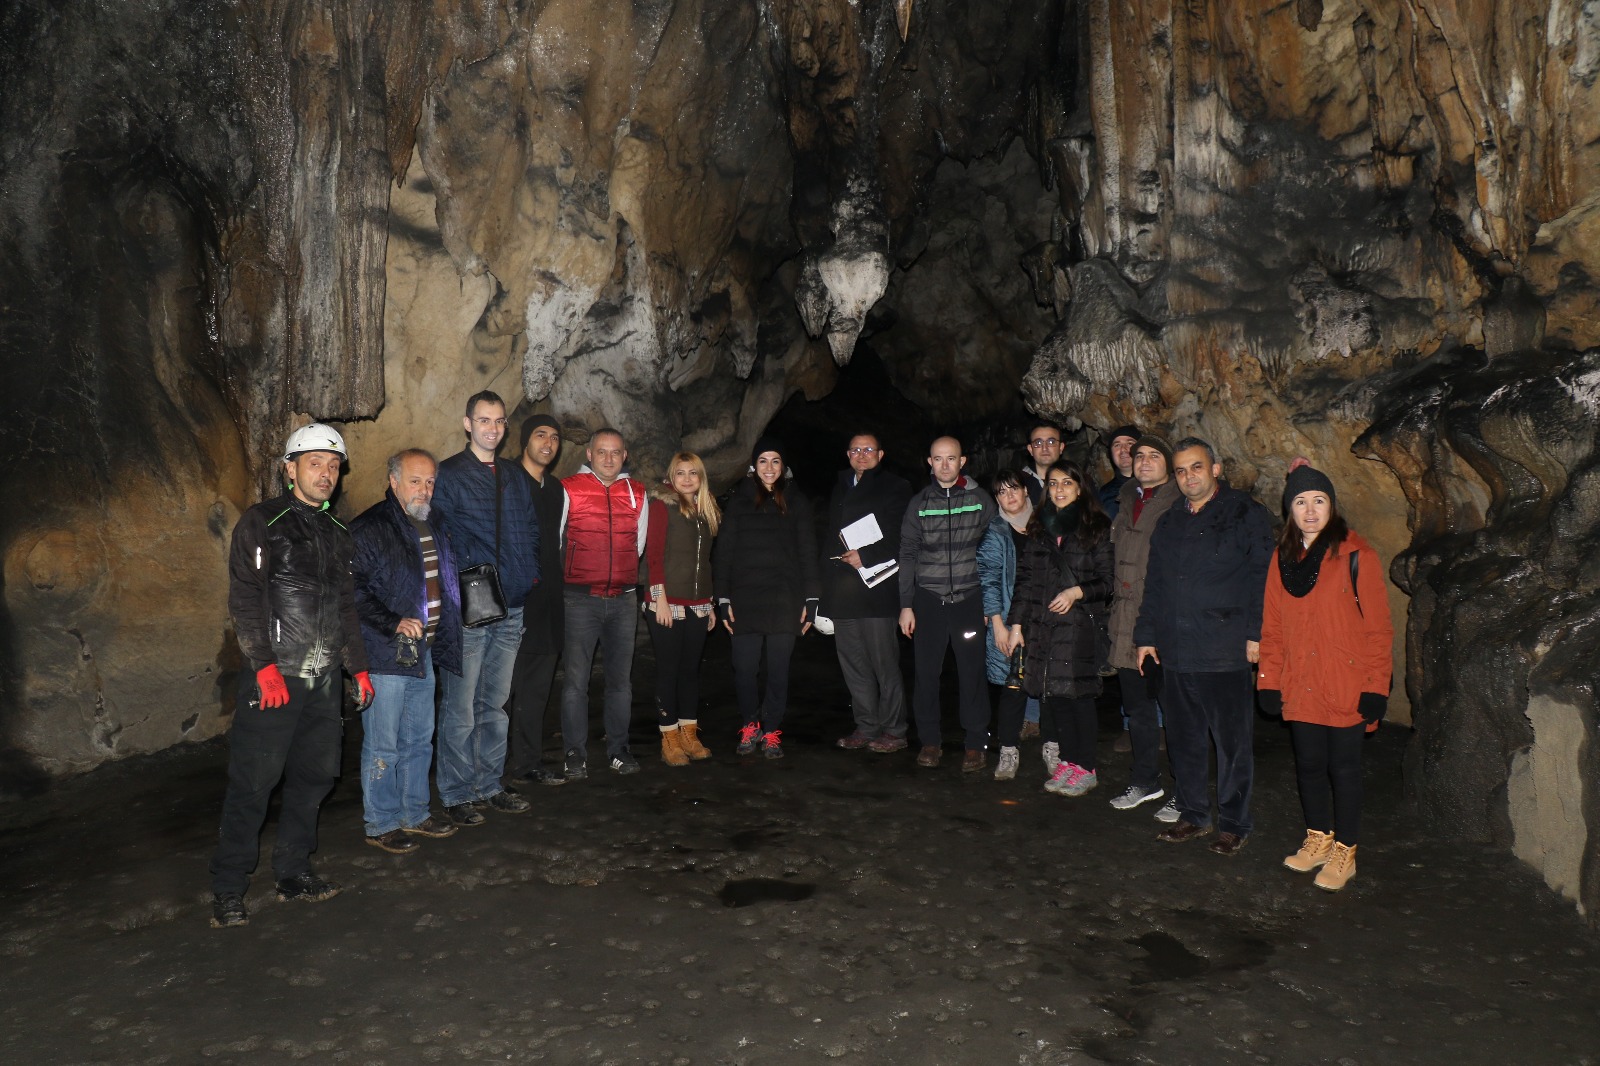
(1329, 757)
(767, 710)
(1072, 724)
(678, 650)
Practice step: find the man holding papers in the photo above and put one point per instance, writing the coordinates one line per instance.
(860, 594)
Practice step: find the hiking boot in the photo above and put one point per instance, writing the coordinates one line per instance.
(690, 731)
(507, 802)
(463, 814)
(1136, 795)
(1052, 757)
(1006, 768)
(431, 827)
(308, 887)
(1086, 781)
(1030, 730)
(854, 742)
(1169, 812)
(1338, 870)
(886, 743)
(672, 752)
(772, 744)
(577, 767)
(395, 842)
(929, 756)
(1124, 743)
(228, 910)
(749, 737)
(1066, 773)
(1312, 854)
(624, 763)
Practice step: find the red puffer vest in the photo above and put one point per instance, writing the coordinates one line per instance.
(603, 532)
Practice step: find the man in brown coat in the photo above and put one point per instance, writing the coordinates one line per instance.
(1142, 501)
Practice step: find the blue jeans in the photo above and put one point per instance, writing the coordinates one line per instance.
(396, 748)
(609, 623)
(472, 712)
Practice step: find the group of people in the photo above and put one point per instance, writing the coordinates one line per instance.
(1165, 578)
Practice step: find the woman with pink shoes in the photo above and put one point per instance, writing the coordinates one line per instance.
(1058, 613)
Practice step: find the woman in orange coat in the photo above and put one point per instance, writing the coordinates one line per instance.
(1326, 646)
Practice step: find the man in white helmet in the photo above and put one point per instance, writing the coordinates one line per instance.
(292, 598)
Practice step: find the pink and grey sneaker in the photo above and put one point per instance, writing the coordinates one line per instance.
(749, 735)
(1086, 781)
(772, 744)
(1066, 774)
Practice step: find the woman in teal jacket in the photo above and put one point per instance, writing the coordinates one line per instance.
(997, 576)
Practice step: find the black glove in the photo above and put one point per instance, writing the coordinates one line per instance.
(1372, 707)
(811, 612)
(1270, 700)
(724, 610)
(1152, 679)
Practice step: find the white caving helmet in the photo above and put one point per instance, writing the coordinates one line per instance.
(314, 438)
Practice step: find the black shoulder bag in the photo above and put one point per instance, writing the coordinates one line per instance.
(482, 600)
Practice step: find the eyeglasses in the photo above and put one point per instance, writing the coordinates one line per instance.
(861, 451)
(1043, 442)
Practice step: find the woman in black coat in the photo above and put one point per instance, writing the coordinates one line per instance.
(1059, 609)
(765, 569)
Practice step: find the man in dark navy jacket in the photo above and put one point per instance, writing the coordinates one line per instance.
(409, 602)
(487, 511)
(1200, 626)
(865, 618)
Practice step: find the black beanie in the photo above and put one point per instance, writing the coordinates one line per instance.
(1305, 479)
(534, 422)
(1122, 431)
(765, 443)
(1150, 440)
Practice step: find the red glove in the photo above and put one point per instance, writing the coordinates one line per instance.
(274, 693)
(364, 685)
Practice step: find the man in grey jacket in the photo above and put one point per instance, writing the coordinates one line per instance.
(941, 604)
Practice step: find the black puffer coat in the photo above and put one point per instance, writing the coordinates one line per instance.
(765, 563)
(1064, 650)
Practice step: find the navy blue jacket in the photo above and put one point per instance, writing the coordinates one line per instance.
(463, 496)
(390, 586)
(1205, 583)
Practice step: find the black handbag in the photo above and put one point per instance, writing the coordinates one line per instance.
(483, 601)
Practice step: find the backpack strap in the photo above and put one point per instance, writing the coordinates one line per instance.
(1355, 568)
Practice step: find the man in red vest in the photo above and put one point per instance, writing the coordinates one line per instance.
(604, 526)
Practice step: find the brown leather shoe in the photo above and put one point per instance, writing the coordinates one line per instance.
(974, 762)
(929, 755)
(1227, 844)
(1179, 831)
(1030, 730)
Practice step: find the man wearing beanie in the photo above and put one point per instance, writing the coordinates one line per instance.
(543, 629)
(604, 528)
(1144, 499)
(1120, 446)
(1200, 622)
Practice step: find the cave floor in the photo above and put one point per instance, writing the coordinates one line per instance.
(832, 906)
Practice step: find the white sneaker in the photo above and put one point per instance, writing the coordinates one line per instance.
(1135, 796)
(1007, 768)
(1169, 813)
(1052, 757)
(1086, 781)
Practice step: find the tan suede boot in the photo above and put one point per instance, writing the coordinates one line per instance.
(672, 752)
(1341, 867)
(1312, 854)
(690, 730)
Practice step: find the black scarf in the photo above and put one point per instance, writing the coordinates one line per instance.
(1300, 577)
(1058, 524)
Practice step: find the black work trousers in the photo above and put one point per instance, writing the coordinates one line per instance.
(959, 627)
(1144, 728)
(1205, 710)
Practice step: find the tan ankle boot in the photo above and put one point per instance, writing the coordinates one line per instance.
(1312, 854)
(1341, 867)
(690, 731)
(672, 752)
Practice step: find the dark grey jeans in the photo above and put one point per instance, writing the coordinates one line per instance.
(609, 624)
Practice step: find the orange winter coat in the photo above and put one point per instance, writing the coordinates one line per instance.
(1322, 651)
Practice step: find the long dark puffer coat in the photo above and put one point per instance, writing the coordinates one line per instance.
(1064, 651)
(764, 562)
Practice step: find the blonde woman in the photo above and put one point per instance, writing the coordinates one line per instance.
(680, 611)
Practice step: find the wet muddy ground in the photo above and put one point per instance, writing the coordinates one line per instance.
(834, 906)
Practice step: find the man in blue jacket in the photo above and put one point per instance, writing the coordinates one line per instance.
(1200, 625)
(409, 603)
(486, 508)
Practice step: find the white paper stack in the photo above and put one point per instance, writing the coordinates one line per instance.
(859, 534)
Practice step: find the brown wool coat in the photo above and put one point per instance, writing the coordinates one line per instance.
(1322, 651)
(1130, 544)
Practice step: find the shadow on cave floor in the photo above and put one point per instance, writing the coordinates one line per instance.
(834, 905)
